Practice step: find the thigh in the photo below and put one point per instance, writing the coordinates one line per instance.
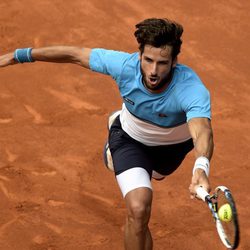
(126, 152)
(133, 179)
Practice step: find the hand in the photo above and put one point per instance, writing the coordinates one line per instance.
(199, 179)
(7, 59)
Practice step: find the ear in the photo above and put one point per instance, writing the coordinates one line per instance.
(140, 56)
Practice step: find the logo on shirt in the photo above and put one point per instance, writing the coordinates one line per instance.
(129, 101)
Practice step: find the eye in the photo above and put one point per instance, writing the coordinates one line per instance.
(147, 59)
(164, 62)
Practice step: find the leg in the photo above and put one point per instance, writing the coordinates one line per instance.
(133, 170)
(136, 188)
(137, 234)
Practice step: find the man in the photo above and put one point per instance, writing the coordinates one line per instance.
(165, 114)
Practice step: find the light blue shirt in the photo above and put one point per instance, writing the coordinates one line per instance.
(185, 98)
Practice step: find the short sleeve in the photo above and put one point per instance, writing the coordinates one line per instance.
(197, 103)
(108, 62)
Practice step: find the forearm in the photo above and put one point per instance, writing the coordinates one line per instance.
(58, 54)
(203, 144)
(203, 147)
(202, 134)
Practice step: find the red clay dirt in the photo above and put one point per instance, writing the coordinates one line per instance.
(55, 193)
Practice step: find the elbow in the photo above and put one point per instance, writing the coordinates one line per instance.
(76, 55)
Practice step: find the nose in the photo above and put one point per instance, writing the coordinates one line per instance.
(153, 69)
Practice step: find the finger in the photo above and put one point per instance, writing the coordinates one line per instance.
(192, 197)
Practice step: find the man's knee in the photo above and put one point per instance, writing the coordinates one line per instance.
(139, 205)
(139, 212)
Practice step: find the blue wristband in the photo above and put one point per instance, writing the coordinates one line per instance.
(23, 55)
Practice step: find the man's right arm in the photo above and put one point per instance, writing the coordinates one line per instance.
(56, 54)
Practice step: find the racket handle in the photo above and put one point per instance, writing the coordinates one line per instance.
(202, 193)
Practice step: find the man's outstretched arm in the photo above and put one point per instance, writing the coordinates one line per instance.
(55, 54)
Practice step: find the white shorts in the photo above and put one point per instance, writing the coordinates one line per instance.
(133, 178)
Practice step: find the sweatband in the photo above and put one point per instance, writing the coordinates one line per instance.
(23, 55)
(202, 163)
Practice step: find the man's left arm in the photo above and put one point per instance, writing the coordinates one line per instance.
(202, 134)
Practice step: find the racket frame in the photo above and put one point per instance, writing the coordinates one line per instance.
(211, 201)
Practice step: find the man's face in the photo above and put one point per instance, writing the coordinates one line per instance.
(156, 67)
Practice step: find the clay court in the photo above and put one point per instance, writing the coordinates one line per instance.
(55, 193)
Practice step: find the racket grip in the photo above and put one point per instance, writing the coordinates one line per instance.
(202, 193)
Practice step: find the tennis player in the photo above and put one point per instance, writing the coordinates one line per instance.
(165, 114)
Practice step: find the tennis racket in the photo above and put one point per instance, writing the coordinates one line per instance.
(228, 226)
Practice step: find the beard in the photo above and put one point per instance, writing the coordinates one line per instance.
(161, 84)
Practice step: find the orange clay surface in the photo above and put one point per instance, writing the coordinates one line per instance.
(55, 193)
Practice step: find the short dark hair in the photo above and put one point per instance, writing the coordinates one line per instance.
(158, 33)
